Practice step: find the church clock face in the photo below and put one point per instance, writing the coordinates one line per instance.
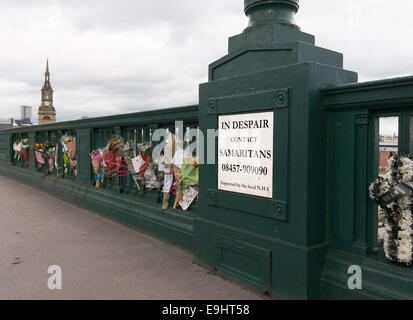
(47, 103)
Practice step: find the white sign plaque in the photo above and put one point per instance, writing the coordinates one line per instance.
(245, 153)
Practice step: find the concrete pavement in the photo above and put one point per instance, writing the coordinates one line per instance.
(99, 258)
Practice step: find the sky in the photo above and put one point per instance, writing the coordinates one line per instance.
(110, 57)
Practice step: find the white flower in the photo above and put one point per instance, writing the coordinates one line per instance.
(407, 174)
(406, 243)
(404, 225)
(405, 256)
(386, 243)
(407, 162)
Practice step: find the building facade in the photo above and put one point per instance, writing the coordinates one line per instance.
(47, 112)
(26, 114)
(6, 124)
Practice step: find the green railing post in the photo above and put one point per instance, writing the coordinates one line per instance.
(83, 146)
(273, 242)
(32, 152)
(404, 132)
(6, 148)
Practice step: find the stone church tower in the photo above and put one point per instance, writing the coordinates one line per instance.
(47, 112)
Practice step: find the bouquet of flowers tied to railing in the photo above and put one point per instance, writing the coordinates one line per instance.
(17, 149)
(147, 167)
(69, 153)
(40, 154)
(393, 193)
(168, 172)
(113, 154)
(180, 173)
(190, 180)
(129, 155)
(50, 153)
(21, 149)
(185, 168)
(141, 166)
(96, 158)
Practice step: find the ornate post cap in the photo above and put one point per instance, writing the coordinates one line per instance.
(278, 11)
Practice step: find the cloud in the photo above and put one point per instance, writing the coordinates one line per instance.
(389, 126)
(372, 34)
(109, 57)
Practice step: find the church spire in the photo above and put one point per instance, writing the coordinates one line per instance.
(47, 68)
(47, 77)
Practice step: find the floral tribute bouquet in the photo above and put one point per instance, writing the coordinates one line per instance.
(45, 153)
(151, 177)
(129, 155)
(96, 158)
(21, 149)
(393, 193)
(141, 166)
(168, 173)
(179, 170)
(190, 180)
(146, 167)
(69, 153)
(112, 156)
(50, 154)
(40, 155)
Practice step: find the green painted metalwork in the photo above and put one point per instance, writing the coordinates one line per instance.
(278, 11)
(271, 66)
(353, 148)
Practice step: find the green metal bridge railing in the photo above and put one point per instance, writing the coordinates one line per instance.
(77, 185)
(354, 111)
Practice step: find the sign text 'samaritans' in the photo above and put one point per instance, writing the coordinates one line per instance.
(253, 154)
